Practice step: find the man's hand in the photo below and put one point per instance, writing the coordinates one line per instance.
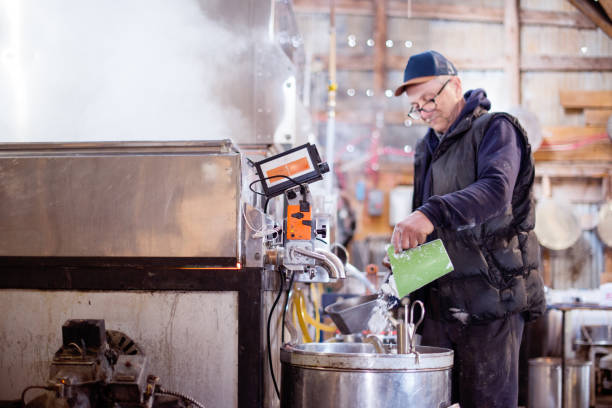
(411, 232)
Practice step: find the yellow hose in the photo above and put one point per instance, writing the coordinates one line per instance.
(309, 318)
(313, 295)
(298, 311)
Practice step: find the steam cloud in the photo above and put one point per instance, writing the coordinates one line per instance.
(83, 70)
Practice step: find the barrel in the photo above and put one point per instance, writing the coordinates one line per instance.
(326, 375)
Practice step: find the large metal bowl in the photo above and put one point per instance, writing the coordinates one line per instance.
(325, 375)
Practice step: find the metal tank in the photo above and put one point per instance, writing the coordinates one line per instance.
(353, 375)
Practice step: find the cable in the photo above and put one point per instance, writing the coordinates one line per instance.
(261, 180)
(161, 390)
(322, 240)
(280, 272)
(266, 205)
(285, 307)
(31, 387)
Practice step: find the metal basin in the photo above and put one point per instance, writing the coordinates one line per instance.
(352, 375)
(597, 334)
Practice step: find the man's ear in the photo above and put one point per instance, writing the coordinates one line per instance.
(457, 86)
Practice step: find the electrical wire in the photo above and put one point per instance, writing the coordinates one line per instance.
(261, 180)
(280, 291)
(31, 387)
(547, 146)
(163, 391)
(266, 205)
(285, 307)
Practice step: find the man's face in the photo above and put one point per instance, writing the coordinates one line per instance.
(445, 95)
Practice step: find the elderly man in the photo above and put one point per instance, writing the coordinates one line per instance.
(473, 179)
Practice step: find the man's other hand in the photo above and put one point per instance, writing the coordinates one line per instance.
(411, 232)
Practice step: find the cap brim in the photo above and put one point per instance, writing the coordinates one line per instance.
(400, 90)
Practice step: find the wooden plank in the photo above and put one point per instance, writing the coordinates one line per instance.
(588, 10)
(556, 18)
(367, 117)
(597, 117)
(512, 51)
(464, 63)
(350, 7)
(606, 277)
(585, 99)
(585, 170)
(380, 49)
(607, 6)
(451, 12)
(575, 143)
(344, 62)
(600, 151)
(565, 63)
(474, 63)
(569, 134)
(398, 63)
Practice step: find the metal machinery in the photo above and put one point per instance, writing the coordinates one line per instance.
(152, 231)
(96, 367)
(288, 174)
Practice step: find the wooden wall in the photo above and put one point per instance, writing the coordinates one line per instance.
(545, 47)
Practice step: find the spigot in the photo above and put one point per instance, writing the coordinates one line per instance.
(376, 342)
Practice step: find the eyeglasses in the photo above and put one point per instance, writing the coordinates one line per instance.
(428, 107)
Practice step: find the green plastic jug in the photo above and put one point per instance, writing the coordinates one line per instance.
(416, 267)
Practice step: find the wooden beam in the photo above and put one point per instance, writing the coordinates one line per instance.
(597, 117)
(588, 10)
(367, 117)
(398, 63)
(576, 144)
(565, 63)
(607, 6)
(475, 63)
(453, 12)
(512, 51)
(556, 18)
(585, 99)
(380, 49)
(600, 151)
(585, 170)
(570, 134)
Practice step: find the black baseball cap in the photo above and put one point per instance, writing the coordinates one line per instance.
(423, 67)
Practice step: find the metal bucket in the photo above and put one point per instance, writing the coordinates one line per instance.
(545, 383)
(326, 375)
(577, 382)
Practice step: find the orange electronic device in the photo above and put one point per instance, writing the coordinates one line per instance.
(299, 222)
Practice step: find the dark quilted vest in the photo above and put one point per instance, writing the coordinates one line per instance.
(495, 263)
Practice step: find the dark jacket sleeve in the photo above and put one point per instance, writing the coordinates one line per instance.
(499, 160)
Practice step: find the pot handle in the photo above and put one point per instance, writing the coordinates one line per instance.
(586, 334)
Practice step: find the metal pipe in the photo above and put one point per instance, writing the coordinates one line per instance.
(335, 260)
(323, 261)
(352, 271)
(376, 342)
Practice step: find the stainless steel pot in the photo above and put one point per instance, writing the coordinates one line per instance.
(545, 389)
(597, 334)
(330, 375)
